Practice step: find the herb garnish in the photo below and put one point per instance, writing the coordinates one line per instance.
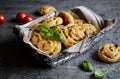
(87, 66)
(51, 32)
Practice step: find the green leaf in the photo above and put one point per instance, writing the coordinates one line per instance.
(43, 28)
(47, 35)
(100, 74)
(51, 32)
(86, 66)
(54, 29)
(58, 37)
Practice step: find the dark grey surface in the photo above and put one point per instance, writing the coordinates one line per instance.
(17, 62)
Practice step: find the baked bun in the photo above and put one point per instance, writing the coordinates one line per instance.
(76, 32)
(72, 34)
(109, 53)
(53, 21)
(46, 9)
(50, 47)
(79, 22)
(67, 17)
(35, 38)
(89, 28)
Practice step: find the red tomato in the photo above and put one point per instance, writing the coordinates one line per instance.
(21, 16)
(2, 18)
(27, 19)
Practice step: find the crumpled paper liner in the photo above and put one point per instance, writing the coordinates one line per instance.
(24, 31)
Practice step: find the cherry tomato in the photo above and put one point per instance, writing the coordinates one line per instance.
(27, 19)
(2, 18)
(21, 16)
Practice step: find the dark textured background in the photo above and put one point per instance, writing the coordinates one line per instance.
(17, 62)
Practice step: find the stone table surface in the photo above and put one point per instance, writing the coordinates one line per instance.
(17, 62)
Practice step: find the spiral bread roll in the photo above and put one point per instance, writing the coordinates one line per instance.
(72, 34)
(46, 9)
(68, 41)
(89, 28)
(109, 53)
(35, 38)
(50, 47)
(76, 32)
(67, 17)
(79, 22)
(53, 21)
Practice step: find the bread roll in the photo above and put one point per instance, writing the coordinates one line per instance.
(109, 53)
(53, 21)
(67, 17)
(46, 9)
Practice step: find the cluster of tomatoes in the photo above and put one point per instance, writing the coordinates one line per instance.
(21, 16)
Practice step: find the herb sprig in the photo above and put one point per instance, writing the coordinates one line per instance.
(87, 66)
(100, 74)
(51, 32)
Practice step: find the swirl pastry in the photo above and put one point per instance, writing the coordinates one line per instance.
(35, 38)
(67, 17)
(46, 9)
(76, 32)
(89, 28)
(109, 53)
(79, 22)
(72, 34)
(50, 47)
(53, 21)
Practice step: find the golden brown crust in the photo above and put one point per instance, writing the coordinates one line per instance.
(79, 22)
(109, 53)
(57, 49)
(89, 28)
(68, 41)
(72, 34)
(35, 38)
(53, 21)
(50, 47)
(67, 17)
(46, 9)
(76, 32)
